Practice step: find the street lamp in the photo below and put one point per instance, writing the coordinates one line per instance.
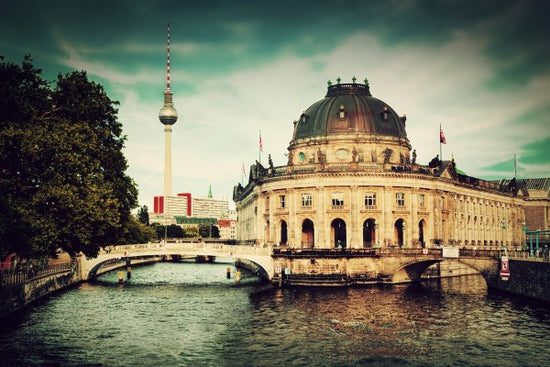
(503, 231)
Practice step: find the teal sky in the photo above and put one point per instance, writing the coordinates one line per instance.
(479, 68)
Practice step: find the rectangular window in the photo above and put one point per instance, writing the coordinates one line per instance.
(306, 200)
(421, 201)
(282, 201)
(338, 199)
(400, 198)
(370, 199)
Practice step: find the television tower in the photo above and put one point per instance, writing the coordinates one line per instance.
(168, 116)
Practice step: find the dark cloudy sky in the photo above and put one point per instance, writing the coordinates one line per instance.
(479, 68)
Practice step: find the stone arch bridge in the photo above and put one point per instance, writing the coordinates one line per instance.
(306, 266)
(112, 257)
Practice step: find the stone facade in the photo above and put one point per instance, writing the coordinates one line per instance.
(377, 209)
(350, 182)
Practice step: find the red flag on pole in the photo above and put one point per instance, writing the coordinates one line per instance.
(261, 145)
(442, 136)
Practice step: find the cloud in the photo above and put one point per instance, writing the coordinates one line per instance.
(219, 121)
(477, 68)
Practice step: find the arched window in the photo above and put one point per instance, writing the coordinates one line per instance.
(369, 232)
(338, 230)
(421, 229)
(308, 238)
(284, 233)
(398, 232)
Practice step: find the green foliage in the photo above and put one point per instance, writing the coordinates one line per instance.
(209, 231)
(171, 231)
(143, 215)
(137, 232)
(62, 172)
(175, 231)
(191, 232)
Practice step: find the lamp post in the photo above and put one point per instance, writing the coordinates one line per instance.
(376, 233)
(403, 225)
(524, 242)
(503, 232)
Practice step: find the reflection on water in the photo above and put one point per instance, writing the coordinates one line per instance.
(189, 314)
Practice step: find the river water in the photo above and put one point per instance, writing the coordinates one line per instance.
(187, 314)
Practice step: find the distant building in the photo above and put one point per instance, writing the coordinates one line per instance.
(210, 208)
(173, 205)
(228, 227)
(186, 210)
(350, 182)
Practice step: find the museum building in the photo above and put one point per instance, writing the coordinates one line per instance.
(350, 182)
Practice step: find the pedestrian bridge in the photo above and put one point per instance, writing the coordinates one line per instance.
(348, 266)
(112, 256)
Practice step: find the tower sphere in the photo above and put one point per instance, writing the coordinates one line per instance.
(168, 115)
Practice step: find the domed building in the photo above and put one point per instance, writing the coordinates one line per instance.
(350, 182)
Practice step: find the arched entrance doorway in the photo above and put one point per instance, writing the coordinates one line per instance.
(421, 228)
(338, 231)
(308, 238)
(369, 232)
(284, 233)
(398, 232)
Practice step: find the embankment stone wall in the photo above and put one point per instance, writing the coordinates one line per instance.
(20, 295)
(527, 278)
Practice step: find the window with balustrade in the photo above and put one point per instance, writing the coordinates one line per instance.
(400, 199)
(306, 200)
(370, 200)
(337, 200)
(421, 200)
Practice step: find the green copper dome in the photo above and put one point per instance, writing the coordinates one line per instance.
(349, 109)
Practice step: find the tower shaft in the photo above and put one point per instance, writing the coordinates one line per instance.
(168, 116)
(168, 160)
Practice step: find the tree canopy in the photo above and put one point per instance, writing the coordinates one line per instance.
(63, 176)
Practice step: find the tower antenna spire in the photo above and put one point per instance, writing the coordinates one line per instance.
(168, 57)
(168, 116)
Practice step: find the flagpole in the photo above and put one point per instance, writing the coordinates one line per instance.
(440, 149)
(260, 147)
(515, 166)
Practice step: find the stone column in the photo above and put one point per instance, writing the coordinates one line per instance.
(292, 224)
(355, 235)
(320, 217)
(260, 218)
(387, 225)
(414, 218)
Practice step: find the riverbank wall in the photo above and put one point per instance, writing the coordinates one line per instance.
(20, 295)
(530, 278)
(26, 289)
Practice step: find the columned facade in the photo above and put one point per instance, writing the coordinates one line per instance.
(350, 183)
(407, 212)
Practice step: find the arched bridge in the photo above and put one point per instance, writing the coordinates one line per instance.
(307, 266)
(377, 265)
(112, 257)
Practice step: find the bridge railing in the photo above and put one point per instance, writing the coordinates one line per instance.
(191, 247)
(9, 278)
(388, 251)
(527, 255)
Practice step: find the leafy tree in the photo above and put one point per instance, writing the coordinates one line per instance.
(215, 232)
(143, 215)
(191, 232)
(137, 232)
(63, 176)
(209, 231)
